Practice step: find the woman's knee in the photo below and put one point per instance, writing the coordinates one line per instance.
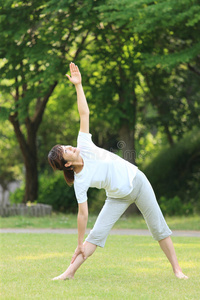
(97, 237)
(160, 233)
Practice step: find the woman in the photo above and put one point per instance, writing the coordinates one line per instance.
(90, 166)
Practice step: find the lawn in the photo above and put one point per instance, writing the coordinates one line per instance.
(130, 267)
(70, 221)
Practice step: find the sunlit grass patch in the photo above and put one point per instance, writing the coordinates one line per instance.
(41, 256)
(130, 267)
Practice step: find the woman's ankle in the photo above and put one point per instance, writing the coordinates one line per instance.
(177, 269)
(69, 274)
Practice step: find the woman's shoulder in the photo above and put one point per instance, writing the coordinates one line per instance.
(84, 140)
(84, 134)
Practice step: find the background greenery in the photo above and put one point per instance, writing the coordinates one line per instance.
(141, 70)
(60, 220)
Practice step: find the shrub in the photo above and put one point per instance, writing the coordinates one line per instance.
(17, 195)
(53, 190)
(176, 171)
(174, 207)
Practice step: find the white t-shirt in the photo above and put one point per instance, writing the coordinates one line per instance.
(102, 169)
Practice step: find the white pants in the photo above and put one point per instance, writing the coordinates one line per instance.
(143, 196)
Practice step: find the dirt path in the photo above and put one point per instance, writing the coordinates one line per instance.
(188, 233)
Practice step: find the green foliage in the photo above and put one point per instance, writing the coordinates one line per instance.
(4, 113)
(11, 161)
(175, 207)
(60, 123)
(53, 190)
(176, 22)
(33, 57)
(176, 171)
(17, 195)
(140, 67)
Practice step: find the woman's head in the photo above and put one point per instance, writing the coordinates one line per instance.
(61, 158)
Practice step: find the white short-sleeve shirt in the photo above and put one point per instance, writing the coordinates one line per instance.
(102, 169)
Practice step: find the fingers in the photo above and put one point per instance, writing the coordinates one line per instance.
(73, 68)
(78, 253)
(83, 253)
(68, 76)
(73, 258)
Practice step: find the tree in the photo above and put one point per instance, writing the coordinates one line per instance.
(113, 77)
(34, 54)
(168, 32)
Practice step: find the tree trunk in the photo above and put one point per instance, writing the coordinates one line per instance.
(28, 145)
(30, 161)
(31, 177)
(127, 140)
(127, 130)
(29, 153)
(127, 143)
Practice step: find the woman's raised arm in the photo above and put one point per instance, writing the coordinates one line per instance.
(83, 108)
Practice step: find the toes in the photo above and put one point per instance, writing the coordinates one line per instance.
(62, 278)
(57, 278)
(181, 276)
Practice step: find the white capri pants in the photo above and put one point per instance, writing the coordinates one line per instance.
(144, 198)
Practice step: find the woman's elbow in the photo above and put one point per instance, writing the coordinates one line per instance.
(83, 210)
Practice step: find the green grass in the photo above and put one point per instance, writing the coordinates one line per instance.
(130, 267)
(69, 221)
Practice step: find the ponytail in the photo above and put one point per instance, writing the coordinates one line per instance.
(57, 162)
(68, 175)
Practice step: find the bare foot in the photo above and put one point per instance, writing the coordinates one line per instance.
(63, 277)
(180, 275)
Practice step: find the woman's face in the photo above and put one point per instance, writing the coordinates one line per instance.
(70, 154)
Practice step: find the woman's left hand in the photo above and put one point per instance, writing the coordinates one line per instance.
(75, 74)
(79, 250)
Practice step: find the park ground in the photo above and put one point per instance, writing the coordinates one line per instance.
(129, 267)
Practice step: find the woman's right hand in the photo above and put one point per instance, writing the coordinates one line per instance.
(79, 250)
(75, 74)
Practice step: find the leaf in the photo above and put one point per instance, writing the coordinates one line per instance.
(4, 113)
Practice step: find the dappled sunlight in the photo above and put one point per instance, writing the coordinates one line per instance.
(146, 244)
(148, 259)
(187, 246)
(28, 269)
(40, 256)
(189, 264)
(143, 270)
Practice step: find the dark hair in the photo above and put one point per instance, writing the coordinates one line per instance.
(57, 162)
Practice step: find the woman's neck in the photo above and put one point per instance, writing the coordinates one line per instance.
(79, 166)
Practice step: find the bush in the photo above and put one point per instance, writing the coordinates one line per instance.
(54, 191)
(176, 171)
(174, 207)
(18, 195)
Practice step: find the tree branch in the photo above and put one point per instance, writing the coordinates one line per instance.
(16, 97)
(37, 118)
(194, 70)
(20, 136)
(80, 46)
(24, 85)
